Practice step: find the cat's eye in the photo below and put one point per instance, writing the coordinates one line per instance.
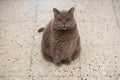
(68, 19)
(59, 19)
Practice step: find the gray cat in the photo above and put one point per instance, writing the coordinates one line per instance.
(61, 40)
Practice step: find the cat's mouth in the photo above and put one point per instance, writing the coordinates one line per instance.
(64, 28)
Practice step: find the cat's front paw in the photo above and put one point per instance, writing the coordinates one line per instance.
(67, 62)
(58, 64)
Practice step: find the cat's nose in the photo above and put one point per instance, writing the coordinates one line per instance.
(64, 24)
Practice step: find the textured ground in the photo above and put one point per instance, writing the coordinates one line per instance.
(20, 51)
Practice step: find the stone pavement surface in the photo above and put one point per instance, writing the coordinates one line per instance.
(20, 51)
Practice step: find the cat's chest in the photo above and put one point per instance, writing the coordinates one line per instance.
(66, 47)
(67, 41)
(64, 37)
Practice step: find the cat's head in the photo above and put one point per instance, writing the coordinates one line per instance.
(64, 19)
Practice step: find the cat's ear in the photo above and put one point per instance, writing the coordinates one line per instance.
(71, 11)
(56, 12)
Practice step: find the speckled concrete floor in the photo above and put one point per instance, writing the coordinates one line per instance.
(20, 51)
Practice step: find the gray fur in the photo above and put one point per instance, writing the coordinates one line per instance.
(61, 40)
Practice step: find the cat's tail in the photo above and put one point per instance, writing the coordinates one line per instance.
(41, 29)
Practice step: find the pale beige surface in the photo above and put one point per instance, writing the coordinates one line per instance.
(20, 43)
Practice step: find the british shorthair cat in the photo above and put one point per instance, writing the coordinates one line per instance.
(61, 40)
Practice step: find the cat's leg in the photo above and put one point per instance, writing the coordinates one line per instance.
(76, 54)
(77, 50)
(45, 52)
(57, 61)
(47, 57)
(55, 55)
